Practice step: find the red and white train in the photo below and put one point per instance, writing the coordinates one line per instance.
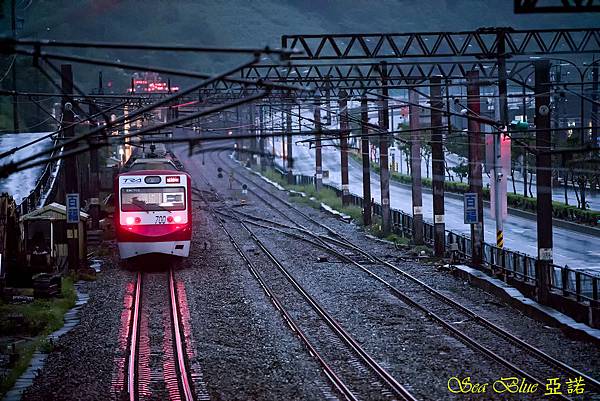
(153, 209)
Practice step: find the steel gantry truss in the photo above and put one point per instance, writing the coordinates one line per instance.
(368, 65)
(371, 64)
(482, 43)
(556, 6)
(356, 76)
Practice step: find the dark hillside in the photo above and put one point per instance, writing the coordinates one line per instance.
(238, 23)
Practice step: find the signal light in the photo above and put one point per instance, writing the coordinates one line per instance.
(170, 219)
(173, 180)
(138, 220)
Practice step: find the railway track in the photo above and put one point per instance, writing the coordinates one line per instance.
(462, 322)
(353, 373)
(172, 379)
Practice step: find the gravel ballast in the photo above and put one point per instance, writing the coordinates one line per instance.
(240, 346)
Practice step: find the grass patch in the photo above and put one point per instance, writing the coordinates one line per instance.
(330, 197)
(40, 318)
(325, 195)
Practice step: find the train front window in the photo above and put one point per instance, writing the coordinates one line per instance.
(152, 199)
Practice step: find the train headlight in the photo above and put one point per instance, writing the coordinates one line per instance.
(177, 219)
(129, 220)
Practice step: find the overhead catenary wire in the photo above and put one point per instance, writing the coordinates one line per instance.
(8, 41)
(166, 100)
(20, 166)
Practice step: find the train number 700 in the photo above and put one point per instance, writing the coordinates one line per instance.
(160, 220)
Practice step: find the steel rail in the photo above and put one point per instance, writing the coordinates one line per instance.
(133, 344)
(179, 353)
(183, 379)
(410, 301)
(383, 374)
(512, 338)
(331, 375)
(498, 330)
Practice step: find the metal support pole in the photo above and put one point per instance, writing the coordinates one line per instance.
(283, 150)
(327, 86)
(100, 84)
(503, 102)
(290, 143)
(415, 166)
(318, 155)
(251, 119)
(594, 117)
(271, 117)
(437, 167)
(544, 178)
(262, 142)
(71, 183)
(525, 150)
(13, 10)
(366, 162)
(238, 141)
(384, 166)
(475, 170)
(94, 208)
(344, 128)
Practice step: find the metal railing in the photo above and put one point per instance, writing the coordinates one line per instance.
(583, 286)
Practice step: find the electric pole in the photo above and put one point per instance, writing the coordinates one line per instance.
(366, 162)
(318, 155)
(437, 167)
(384, 167)
(70, 172)
(290, 143)
(343, 104)
(475, 170)
(415, 166)
(503, 109)
(543, 141)
(13, 13)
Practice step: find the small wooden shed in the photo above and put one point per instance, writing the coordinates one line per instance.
(44, 234)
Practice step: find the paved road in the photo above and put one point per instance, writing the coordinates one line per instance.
(592, 199)
(577, 250)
